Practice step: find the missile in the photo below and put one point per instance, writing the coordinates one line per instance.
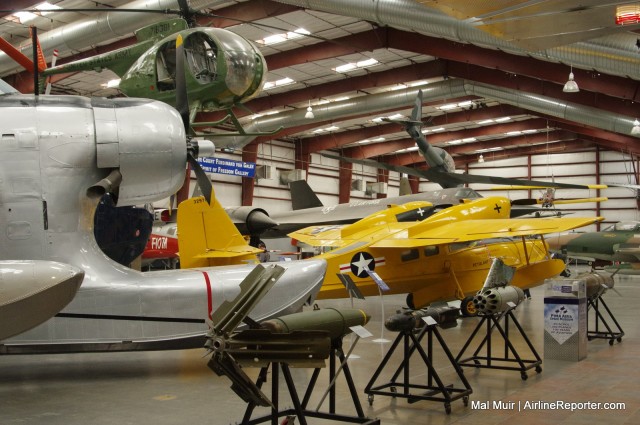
(496, 300)
(335, 321)
(405, 321)
(595, 283)
(32, 292)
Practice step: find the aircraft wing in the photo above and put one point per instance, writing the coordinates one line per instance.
(446, 179)
(229, 252)
(339, 235)
(470, 230)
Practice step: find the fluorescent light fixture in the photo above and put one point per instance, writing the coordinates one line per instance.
(396, 116)
(366, 63)
(281, 38)
(418, 83)
(398, 87)
(503, 119)
(345, 68)
(365, 141)
(465, 103)
(513, 133)
(23, 17)
(273, 39)
(377, 119)
(411, 149)
(322, 130)
(454, 142)
(469, 139)
(437, 129)
(360, 64)
(111, 83)
(497, 148)
(340, 99)
(483, 122)
(529, 131)
(448, 106)
(279, 83)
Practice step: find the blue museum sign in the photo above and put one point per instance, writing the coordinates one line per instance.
(228, 167)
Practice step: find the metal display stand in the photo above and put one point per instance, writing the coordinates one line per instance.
(609, 334)
(300, 409)
(434, 391)
(492, 322)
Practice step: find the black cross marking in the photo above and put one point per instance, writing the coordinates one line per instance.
(498, 208)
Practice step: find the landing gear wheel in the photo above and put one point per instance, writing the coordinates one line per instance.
(611, 341)
(394, 390)
(370, 399)
(538, 369)
(524, 376)
(619, 339)
(465, 400)
(467, 307)
(447, 408)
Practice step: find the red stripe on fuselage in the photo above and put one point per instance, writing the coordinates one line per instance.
(209, 298)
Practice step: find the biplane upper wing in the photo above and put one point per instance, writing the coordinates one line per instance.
(469, 230)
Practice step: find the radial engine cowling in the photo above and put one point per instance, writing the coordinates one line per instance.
(145, 143)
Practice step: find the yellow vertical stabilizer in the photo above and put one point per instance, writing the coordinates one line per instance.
(208, 237)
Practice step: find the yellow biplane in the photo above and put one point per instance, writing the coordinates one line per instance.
(436, 253)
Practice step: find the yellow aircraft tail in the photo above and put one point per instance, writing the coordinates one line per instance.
(208, 237)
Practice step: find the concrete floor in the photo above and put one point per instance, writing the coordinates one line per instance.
(176, 387)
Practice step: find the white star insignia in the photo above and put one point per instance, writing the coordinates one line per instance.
(362, 264)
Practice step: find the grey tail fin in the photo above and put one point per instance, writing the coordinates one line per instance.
(405, 187)
(302, 196)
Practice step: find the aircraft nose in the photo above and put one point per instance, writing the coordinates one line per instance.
(258, 222)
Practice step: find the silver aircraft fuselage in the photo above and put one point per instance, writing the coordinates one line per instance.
(55, 148)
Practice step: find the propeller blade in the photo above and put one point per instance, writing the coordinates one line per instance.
(182, 98)
(203, 180)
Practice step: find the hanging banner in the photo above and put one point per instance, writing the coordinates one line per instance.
(228, 167)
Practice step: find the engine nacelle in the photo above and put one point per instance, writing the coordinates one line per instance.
(145, 142)
(250, 220)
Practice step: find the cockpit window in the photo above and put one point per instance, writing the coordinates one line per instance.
(624, 226)
(201, 57)
(419, 214)
(458, 246)
(200, 60)
(467, 193)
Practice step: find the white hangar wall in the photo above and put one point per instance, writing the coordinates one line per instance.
(590, 167)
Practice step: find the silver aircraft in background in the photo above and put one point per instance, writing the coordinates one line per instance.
(59, 156)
